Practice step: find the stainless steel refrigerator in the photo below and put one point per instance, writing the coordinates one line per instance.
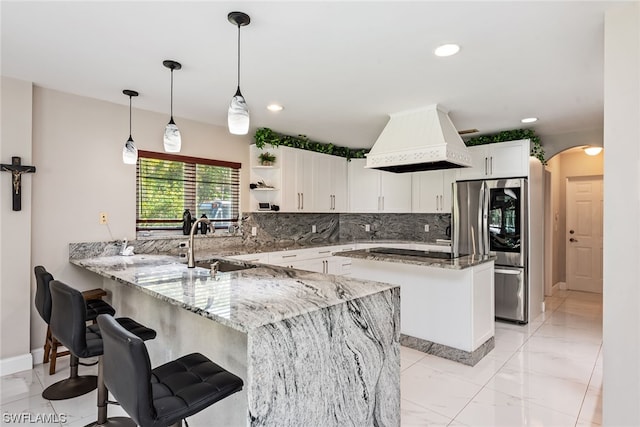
(490, 217)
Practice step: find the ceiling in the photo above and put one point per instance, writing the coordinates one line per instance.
(339, 68)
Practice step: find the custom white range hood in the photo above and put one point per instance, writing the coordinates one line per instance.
(419, 140)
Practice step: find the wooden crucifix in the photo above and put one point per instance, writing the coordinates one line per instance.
(17, 169)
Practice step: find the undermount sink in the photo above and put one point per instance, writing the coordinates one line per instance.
(224, 266)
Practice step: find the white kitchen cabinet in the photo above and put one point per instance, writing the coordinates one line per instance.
(262, 257)
(330, 183)
(297, 180)
(432, 191)
(319, 260)
(499, 160)
(372, 190)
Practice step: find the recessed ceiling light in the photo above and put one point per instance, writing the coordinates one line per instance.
(275, 107)
(447, 50)
(529, 120)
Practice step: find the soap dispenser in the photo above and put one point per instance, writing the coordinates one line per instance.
(186, 222)
(204, 227)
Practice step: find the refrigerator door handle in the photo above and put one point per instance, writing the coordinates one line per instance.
(512, 272)
(485, 219)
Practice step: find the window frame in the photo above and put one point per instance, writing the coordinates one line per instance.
(187, 160)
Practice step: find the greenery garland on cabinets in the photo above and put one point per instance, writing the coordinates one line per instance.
(265, 136)
(512, 135)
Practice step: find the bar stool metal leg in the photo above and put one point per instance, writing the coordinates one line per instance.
(103, 401)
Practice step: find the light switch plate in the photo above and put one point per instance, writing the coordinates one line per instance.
(254, 231)
(367, 227)
(426, 228)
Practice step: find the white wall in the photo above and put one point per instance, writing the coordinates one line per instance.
(15, 229)
(77, 148)
(554, 144)
(621, 326)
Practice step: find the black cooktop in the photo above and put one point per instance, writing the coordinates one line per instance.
(415, 253)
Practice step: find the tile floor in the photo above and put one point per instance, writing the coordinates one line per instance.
(547, 373)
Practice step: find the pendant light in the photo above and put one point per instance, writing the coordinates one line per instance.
(238, 118)
(129, 151)
(172, 139)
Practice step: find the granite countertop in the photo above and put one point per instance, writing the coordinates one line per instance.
(243, 300)
(454, 264)
(292, 246)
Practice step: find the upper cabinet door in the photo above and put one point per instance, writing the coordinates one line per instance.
(427, 191)
(509, 159)
(323, 183)
(364, 187)
(297, 180)
(340, 184)
(500, 160)
(395, 192)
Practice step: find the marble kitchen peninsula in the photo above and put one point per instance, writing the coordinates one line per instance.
(312, 349)
(447, 305)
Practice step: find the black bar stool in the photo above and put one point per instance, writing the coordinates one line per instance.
(68, 323)
(94, 306)
(167, 394)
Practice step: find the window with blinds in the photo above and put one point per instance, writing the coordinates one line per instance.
(168, 184)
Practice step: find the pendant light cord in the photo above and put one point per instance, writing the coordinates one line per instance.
(129, 116)
(172, 93)
(238, 56)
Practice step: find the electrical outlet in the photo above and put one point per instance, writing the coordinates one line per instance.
(254, 231)
(103, 218)
(367, 227)
(313, 229)
(426, 228)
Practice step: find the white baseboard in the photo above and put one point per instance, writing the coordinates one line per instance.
(11, 365)
(562, 286)
(38, 355)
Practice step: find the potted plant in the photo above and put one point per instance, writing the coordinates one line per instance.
(266, 158)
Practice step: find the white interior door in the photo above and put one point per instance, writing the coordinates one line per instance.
(584, 234)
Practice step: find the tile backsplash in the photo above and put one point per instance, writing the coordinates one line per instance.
(279, 229)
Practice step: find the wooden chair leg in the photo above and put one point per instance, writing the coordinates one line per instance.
(47, 345)
(54, 356)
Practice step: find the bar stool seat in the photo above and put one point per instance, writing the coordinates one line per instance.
(167, 394)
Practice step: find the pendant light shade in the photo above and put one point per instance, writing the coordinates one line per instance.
(172, 139)
(129, 151)
(238, 117)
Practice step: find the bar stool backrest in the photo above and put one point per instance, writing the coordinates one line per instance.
(68, 317)
(127, 371)
(43, 294)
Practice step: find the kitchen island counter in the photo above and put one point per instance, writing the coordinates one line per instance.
(460, 263)
(447, 305)
(313, 349)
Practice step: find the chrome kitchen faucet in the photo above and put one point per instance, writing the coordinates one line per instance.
(191, 256)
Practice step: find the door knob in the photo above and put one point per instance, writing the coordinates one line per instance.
(573, 240)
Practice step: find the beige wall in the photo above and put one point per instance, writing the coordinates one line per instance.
(15, 228)
(570, 163)
(77, 147)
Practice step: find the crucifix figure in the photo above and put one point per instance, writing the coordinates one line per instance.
(17, 169)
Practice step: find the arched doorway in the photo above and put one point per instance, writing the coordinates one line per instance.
(569, 171)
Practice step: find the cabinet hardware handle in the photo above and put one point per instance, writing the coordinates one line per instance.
(298, 201)
(491, 165)
(486, 166)
(324, 252)
(302, 198)
(290, 256)
(382, 202)
(573, 240)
